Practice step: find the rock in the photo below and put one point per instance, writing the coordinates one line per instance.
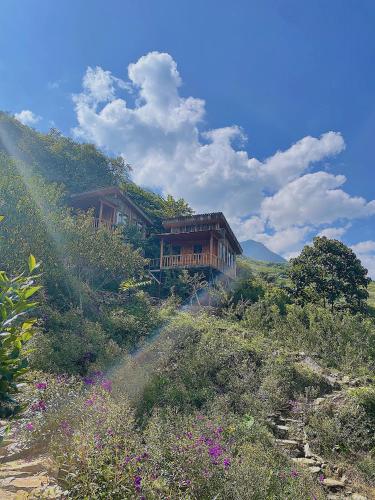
(282, 430)
(357, 496)
(307, 451)
(304, 462)
(287, 443)
(10, 495)
(330, 482)
(27, 483)
(315, 470)
(33, 466)
(318, 401)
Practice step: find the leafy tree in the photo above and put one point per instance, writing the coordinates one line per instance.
(16, 300)
(329, 272)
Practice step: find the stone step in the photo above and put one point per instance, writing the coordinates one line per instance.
(27, 483)
(331, 482)
(305, 462)
(33, 466)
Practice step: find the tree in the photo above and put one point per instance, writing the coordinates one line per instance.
(328, 272)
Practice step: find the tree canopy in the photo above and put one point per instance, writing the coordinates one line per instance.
(329, 272)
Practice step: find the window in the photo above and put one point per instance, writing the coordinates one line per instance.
(176, 250)
(198, 248)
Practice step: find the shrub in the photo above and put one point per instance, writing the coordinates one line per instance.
(16, 300)
(71, 343)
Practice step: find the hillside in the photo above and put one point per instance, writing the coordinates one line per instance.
(258, 251)
(134, 389)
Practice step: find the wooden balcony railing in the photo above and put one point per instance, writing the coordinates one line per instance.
(102, 222)
(193, 260)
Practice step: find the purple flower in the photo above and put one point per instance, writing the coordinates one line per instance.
(30, 426)
(321, 478)
(294, 473)
(107, 385)
(41, 386)
(137, 483)
(39, 406)
(215, 451)
(66, 428)
(88, 380)
(226, 463)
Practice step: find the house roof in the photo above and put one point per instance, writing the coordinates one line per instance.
(202, 219)
(111, 191)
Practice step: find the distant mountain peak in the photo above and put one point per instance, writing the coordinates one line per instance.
(257, 251)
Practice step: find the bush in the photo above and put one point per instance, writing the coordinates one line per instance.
(71, 343)
(15, 331)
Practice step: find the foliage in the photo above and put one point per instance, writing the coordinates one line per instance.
(16, 301)
(72, 343)
(328, 272)
(80, 167)
(104, 455)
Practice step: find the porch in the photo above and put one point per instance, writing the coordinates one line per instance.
(194, 260)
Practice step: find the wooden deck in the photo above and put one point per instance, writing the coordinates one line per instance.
(195, 260)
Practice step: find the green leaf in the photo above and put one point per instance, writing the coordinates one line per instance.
(32, 263)
(2, 217)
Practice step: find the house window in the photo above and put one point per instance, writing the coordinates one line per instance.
(198, 248)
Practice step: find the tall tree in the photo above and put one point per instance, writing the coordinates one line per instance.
(330, 273)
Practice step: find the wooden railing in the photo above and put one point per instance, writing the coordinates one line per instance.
(102, 222)
(193, 260)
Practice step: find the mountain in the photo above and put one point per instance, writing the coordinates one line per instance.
(258, 251)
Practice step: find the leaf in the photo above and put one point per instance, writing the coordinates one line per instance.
(248, 421)
(2, 217)
(32, 263)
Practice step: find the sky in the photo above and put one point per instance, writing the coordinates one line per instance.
(263, 109)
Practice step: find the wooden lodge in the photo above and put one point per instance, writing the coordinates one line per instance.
(201, 242)
(111, 207)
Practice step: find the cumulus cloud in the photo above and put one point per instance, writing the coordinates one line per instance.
(276, 200)
(27, 117)
(334, 232)
(365, 251)
(315, 199)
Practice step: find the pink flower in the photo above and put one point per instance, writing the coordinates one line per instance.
(294, 473)
(39, 406)
(107, 385)
(41, 386)
(30, 426)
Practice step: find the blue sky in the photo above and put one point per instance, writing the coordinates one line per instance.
(277, 72)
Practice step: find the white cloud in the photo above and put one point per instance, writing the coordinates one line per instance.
(162, 136)
(27, 117)
(365, 251)
(334, 232)
(314, 199)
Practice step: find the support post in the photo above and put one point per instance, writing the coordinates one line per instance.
(161, 252)
(211, 248)
(100, 212)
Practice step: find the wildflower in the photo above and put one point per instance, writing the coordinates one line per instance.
(226, 463)
(215, 451)
(218, 430)
(321, 478)
(107, 385)
(88, 380)
(89, 402)
(66, 428)
(39, 406)
(200, 417)
(41, 386)
(30, 426)
(189, 435)
(137, 483)
(294, 473)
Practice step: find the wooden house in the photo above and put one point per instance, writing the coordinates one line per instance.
(111, 207)
(201, 242)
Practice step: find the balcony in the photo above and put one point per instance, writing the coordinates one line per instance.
(195, 260)
(96, 223)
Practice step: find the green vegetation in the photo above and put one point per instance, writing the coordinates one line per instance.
(133, 396)
(16, 299)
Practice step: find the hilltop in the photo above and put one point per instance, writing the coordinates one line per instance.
(257, 251)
